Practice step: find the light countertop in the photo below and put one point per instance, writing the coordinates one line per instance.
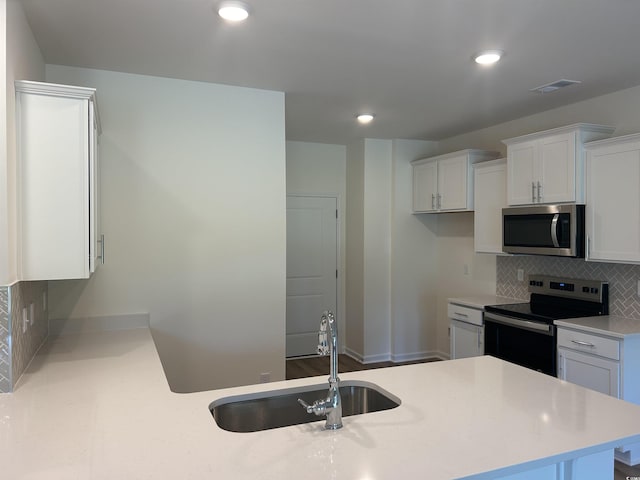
(481, 301)
(612, 326)
(97, 406)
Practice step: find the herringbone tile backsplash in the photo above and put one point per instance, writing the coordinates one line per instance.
(623, 279)
(17, 344)
(5, 338)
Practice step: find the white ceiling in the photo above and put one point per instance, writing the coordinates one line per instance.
(409, 61)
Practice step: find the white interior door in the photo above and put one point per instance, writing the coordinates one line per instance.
(311, 269)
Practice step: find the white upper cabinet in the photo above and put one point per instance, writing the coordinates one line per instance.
(58, 207)
(490, 192)
(445, 183)
(548, 167)
(612, 209)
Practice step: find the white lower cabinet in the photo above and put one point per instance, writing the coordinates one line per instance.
(605, 364)
(466, 331)
(590, 371)
(467, 340)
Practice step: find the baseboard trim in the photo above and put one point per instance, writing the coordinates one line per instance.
(396, 358)
(66, 326)
(409, 357)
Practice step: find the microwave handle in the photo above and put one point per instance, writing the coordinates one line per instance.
(554, 230)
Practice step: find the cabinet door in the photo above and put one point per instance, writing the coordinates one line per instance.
(490, 192)
(589, 371)
(557, 168)
(53, 187)
(425, 187)
(453, 183)
(523, 172)
(466, 340)
(613, 203)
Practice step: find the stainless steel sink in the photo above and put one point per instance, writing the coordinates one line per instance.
(280, 408)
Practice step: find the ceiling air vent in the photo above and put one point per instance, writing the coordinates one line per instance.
(553, 86)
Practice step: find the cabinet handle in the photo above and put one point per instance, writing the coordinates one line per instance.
(439, 201)
(101, 242)
(479, 339)
(588, 248)
(583, 344)
(433, 201)
(463, 315)
(539, 194)
(533, 192)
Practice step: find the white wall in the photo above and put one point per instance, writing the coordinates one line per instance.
(20, 60)
(321, 169)
(414, 254)
(392, 256)
(354, 341)
(193, 204)
(369, 175)
(620, 109)
(461, 271)
(377, 249)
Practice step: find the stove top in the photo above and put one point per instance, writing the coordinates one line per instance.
(553, 298)
(540, 313)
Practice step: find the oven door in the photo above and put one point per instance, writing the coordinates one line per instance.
(524, 342)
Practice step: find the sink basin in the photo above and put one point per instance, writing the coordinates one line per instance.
(280, 408)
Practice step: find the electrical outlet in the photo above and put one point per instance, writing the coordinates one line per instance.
(25, 319)
(265, 377)
(465, 269)
(520, 275)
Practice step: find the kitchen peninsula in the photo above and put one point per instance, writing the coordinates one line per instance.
(96, 405)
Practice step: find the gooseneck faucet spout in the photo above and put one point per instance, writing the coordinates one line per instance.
(332, 405)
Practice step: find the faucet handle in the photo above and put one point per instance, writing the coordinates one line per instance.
(323, 342)
(305, 405)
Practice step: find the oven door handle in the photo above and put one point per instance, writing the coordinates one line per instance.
(554, 230)
(519, 323)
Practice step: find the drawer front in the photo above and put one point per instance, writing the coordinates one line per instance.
(464, 314)
(586, 342)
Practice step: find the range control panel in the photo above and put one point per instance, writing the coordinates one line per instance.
(591, 290)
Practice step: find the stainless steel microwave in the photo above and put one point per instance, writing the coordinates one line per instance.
(544, 230)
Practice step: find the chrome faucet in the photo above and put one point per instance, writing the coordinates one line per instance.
(332, 405)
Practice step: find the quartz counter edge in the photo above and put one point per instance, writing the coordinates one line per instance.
(480, 301)
(608, 325)
(96, 406)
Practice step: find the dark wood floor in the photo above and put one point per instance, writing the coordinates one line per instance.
(313, 366)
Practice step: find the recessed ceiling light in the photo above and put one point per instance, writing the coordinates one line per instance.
(233, 11)
(488, 57)
(365, 118)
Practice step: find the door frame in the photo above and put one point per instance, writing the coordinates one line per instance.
(340, 261)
